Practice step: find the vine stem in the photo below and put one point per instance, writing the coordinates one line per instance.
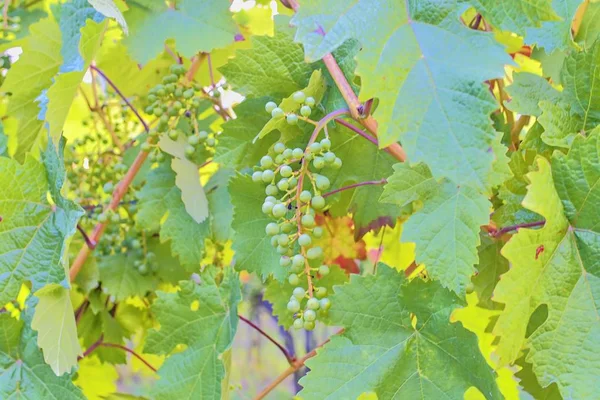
(295, 366)
(86, 238)
(506, 229)
(125, 99)
(381, 181)
(290, 359)
(5, 13)
(130, 351)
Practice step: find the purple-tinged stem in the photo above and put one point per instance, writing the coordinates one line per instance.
(382, 181)
(506, 229)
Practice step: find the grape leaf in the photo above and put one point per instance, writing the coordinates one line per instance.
(425, 88)
(3, 142)
(491, 266)
(33, 231)
(109, 9)
(120, 278)
(274, 66)
(516, 15)
(204, 318)
(446, 229)
(383, 351)
(196, 25)
(408, 183)
(23, 372)
(556, 35)
(556, 266)
(221, 210)
(526, 91)
(589, 31)
(28, 77)
(161, 208)
(54, 321)
(29, 16)
(345, 55)
(578, 108)
(278, 294)
(252, 245)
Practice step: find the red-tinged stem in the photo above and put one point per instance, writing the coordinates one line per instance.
(382, 181)
(90, 243)
(290, 359)
(125, 99)
(506, 229)
(291, 369)
(130, 351)
(210, 70)
(93, 347)
(357, 130)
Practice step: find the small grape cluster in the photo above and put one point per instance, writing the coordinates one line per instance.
(12, 25)
(173, 98)
(293, 203)
(291, 117)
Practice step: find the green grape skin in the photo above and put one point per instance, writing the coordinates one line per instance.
(305, 111)
(314, 253)
(282, 249)
(279, 159)
(279, 210)
(285, 261)
(287, 154)
(308, 325)
(267, 207)
(297, 153)
(268, 176)
(305, 196)
(283, 240)
(145, 146)
(173, 134)
(277, 113)
(337, 164)
(312, 304)
(298, 323)
(286, 171)
(266, 162)
(325, 304)
(279, 148)
(189, 150)
(292, 119)
(271, 190)
(299, 293)
(108, 187)
(193, 140)
(324, 270)
(102, 218)
(298, 260)
(274, 241)
(210, 142)
(325, 144)
(287, 227)
(115, 218)
(304, 240)
(293, 181)
(143, 269)
(329, 157)
(293, 306)
(318, 162)
(317, 202)
(135, 244)
(293, 279)
(272, 199)
(283, 185)
(257, 176)
(315, 148)
(321, 292)
(270, 106)
(272, 229)
(310, 101)
(188, 94)
(203, 135)
(299, 97)
(308, 221)
(322, 182)
(310, 315)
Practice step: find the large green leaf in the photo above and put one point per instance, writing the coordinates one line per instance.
(516, 15)
(204, 318)
(427, 71)
(556, 267)
(23, 372)
(383, 350)
(32, 230)
(121, 278)
(589, 31)
(526, 92)
(555, 35)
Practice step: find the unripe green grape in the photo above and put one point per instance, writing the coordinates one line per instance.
(281, 249)
(203, 135)
(268, 175)
(171, 112)
(272, 199)
(173, 134)
(323, 270)
(315, 147)
(267, 207)
(161, 92)
(305, 111)
(279, 210)
(188, 94)
(297, 153)
(193, 140)
(283, 240)
(318, 203)
(274, 241)
(305, 196)
(298, 323)
(135, 244)
(158, 111)
(287, 154)
(310, 315)
(293, 279)
(108, 187)
(277, 113)
(322, 182)
(337, 164)
(189, 150)
(304, 240)
(279, 159)
(308, 325)
(318, 162)
(210, 142)
(272, 229)
(308, 221)
(178, 92)
(299, 293)
(143, 269)
(177, 105)
(292, 119)
(257, 176)
(279, 148)
(285, 261)
(270, 106)
(309, 101)
(287, 227)
(321, 292)
(175, 69)
(298, 260)
(325, 304)
(151, 98)
(293, 306)
(170, 78)
(271, 190)
(325, 144)
(314, 253)
(145, 146)
(312, 304)
(470, 288)
(329, 157)
(164, 119)
(283, 185)
(266, 162)
(299, 97)
(149, 110)
(102, 218)
(286, 171)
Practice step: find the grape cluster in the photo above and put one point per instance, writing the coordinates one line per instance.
(13, 25)
(170, 100)
(295, 182)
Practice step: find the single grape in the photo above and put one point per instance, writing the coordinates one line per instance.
(299, 97)
(270, 106)
(267, 207)
(293, 279)
(272, 199)
(314, 253)
(318, 203)
(305, 196)
(257, 176)
(193, 140)
(310, 315)
(299, 293)
(268, 176)
(286, 171)
(304, 240)
(298, 260)
(325, 304)
(279, 148)
(272, 229)
(283, 185)
(173, 134)
(293, 181)
(274, 241)
(203, 135)
(108, 187)
(210, 142)
(287, 154)
(277, 113)
(309, 325)
(297, 153)
(283, 240)
(318, 162)
(337, 164)
(189, 150)
(143, 269)
(312, 304)
(266, 162)
(279, 210)
(135, 244)
(282, 249)
(287, 227)
(323, 270)
(298, 323)
(293, 306)
(470, 288)
(321, 292)
(325, 144)
(322, 182)
(305, 111)
(292, 119)
(145, 146)
(285, 261)
(188, 94)
(271, 190)
(329, 157)
(279, 159)
(308, 221)
(309, 101)
(315, 147)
